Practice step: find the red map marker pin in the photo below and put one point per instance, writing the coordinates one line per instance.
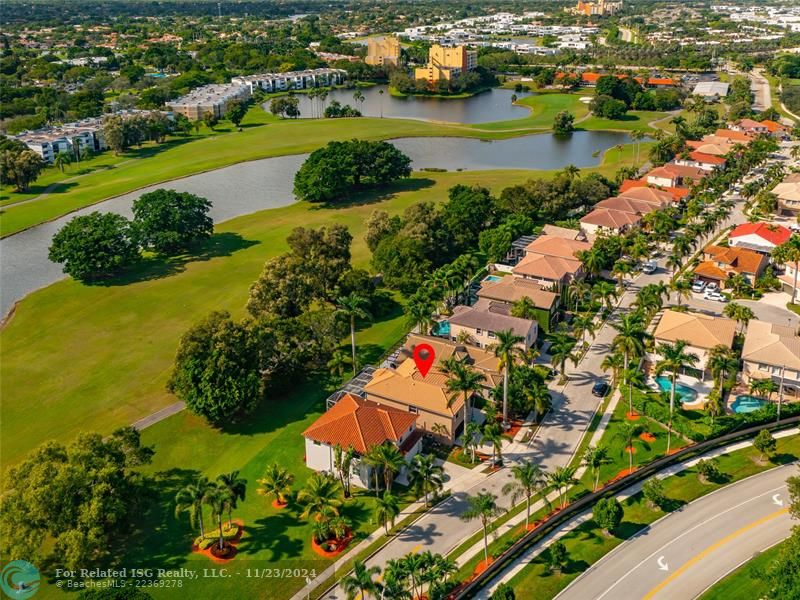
(423, 358)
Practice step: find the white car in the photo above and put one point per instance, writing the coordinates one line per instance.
(698, 286)
(711, 287)
(715, 296)
(649, 267)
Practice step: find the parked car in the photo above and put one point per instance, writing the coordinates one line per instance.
(649, 267)
(698, 286)
(711, 287)
(716, 296)
(600, 389)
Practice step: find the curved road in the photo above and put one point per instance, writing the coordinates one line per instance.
(681, 555)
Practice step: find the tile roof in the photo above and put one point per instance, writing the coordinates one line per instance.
(740, 260)
(673, 171)
(647, 194)
(788, 190)
(774, 234)
(702, 157)
(772, 344)
(563, 232)
(551, 268)
(359, 423)
(773, 126)
(483, 360)
(628, 204)
(512, 289)
(698, 330)
(611, 219)
(749, 124)
(491, 316)
(739, 136)
(551, 245)
(406, 385)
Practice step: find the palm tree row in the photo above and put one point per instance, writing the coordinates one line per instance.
(221, 496)
(412, 576)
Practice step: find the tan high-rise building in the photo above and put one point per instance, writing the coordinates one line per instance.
(383, 51)
(446, 62)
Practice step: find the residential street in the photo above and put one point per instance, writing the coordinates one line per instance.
(688, 551)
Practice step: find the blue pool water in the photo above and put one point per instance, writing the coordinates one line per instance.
(492, 278)
(442, 328)
(157, 75)
(683, 393)
(745, 403)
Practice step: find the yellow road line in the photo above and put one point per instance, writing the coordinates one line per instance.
(698, 557)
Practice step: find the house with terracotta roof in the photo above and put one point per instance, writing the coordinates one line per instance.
(485, 318)
(478, 358)
(759, 237)
(701, 160)
(741, 137)
(701, 333)
(716, 146)
(672, 175)
(788, 193)
(772, 351)
(629, 204)
(437, 412)
(721, 263)
(676, 193)
(749, 126)
(776, 130)
(660, 198)
(552, 261)
(360, 424)
(510, 290)
(609, 220)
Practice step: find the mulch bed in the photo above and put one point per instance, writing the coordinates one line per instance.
(630, 450)
(647, 437)
(230, 545)
(278, 505)
(482, 566)
(620, 475)
(632, 416)
(339, 546)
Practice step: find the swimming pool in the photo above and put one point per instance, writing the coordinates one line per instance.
(745, 403)
(492, 278)
(683, 393)
(442, 328)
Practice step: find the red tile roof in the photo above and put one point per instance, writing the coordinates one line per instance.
(739, 136)
(775, 234)
(676, 193)
(710, 159)
(773, 126)
(660, 81)
(359, 423)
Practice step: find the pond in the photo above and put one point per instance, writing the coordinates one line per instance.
(257, 185)
(492, 105)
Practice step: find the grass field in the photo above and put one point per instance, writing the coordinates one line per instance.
(744, 583)
(263, 136)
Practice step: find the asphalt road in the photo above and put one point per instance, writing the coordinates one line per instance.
(680, 556)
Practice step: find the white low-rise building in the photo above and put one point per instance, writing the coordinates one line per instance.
(292, 80)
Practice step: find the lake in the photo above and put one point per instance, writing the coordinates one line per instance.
(257, 185)
(492, 105)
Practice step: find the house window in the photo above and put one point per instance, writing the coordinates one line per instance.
(479, 331)
(316, 443)
(490, 334)
(413, 410)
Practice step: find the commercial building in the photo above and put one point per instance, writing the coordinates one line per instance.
(711, 90)
(383, 51)
(772, 351)
(209, 99)
(447, 62)
(292, 80)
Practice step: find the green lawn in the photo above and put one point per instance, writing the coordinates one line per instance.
(544, 108)
(744, 583)
(587, 544)
(632, 120)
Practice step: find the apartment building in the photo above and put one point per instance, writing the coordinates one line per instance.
(447, 62)
(209, 99)
(292, 80)
(383, 51)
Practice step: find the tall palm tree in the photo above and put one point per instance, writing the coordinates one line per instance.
(607, 292)
(321, 496)
(763, 387)
(614, 363)
(339, 363)
(391, 461)
(372, 458)
(413, 566)
(592, 260)
(237, 488)
(493, 434)
(584, 324)
(675, 359)
(353, 307)
(482, 506)
(461, 380)
(529, 479)
(61, 160)
(380, 96)
(595, 457)
(387, 507)
(361, 582)
(721, 362)
(471, 438)
(359, 98)
(559, 480)
(682, 289)
(561, 349)
(715, 407)
(277, 481)
(419, 313)
(539, 397)
(621, 269)
(426, 476)
(738, 312)
(506, 349)
(629, 340)
(628, 433)
(191, 499)
(637, 135)
(219, 499)
(577, 291)
(571, 171)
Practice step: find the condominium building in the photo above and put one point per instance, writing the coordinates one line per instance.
(599, 8)
(210, 99)
(383, 51)
(447, 62)
(292, 80)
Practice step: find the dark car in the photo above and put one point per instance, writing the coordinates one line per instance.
(600, 389)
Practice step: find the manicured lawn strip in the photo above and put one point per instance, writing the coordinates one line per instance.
(102, 354)
(632, 120)
(543, 109)
(744, 583)
(587, 544)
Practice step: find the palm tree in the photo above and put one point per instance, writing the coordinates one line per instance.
(741, 314)
(620, 270)
(391, 462)
(237, 488)
(321, 496)
(61, 160)
(584, 324)
(539, 397)
(529, 478)
(628, 433)
(637, 135)
(191, 499)
(277, 481)
(595, 457)
(571, 171)
(592, 260)
(359, 98)
(787, 252)
(339, 363)
(506, 349)
(629, 340)
(353, 307)
(387, 507)
(524, 308)
(561, 349)
(426, 476)
(722, 362)
(674, 262)
(714, 405)
(360, 582)
(342, 459)
(471, 437)
(372, 458)
(682, 289)
(559, 480)
(419, 313)
(493, 435)
(219, 499)
(380, 97)
(614, 363)
(607, 292)
(483, 506)
(461, 379)
(763, 387)
(675, 359)
(577, 290)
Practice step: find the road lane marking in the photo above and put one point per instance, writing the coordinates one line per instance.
(685, 533)
(698, 557)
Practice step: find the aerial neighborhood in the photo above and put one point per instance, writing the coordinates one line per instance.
(408, 301)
